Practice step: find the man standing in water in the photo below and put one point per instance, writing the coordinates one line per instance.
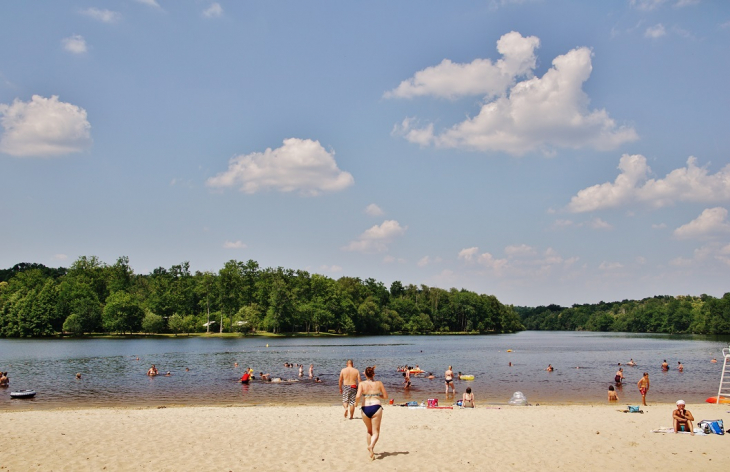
(643, 385)
(349, 380)
(449, 379)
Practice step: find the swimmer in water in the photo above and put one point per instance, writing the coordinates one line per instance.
(619, 376)
(153, 371)
(665, 366)
(550, 368)
(714, 360)
(631, 362)
(680, 367)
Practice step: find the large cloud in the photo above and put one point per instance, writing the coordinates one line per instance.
(43, 127)
(377, 238)
(521, 260)
(299, 165)
(535, 113)
(691, 184)
(480, 77)
(105, 16)
(712, 222)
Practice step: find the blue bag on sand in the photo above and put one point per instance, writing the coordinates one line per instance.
(634, 409)
(711, 426)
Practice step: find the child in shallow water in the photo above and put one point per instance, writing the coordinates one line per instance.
(612, 395)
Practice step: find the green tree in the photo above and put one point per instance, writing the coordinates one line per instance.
(152, 323)
(122, 313)
(176, 323)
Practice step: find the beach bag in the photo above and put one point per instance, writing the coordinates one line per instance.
(634, 409)
(711, 426)
(433, 402)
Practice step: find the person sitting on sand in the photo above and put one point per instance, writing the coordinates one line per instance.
(619, 376)
(467, 399)
(665, 366)
(550, 368)
(153, 371)
(682, 419)
(612, 395)
(680, 367)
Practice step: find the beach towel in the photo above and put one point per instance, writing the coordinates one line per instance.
(664, 429)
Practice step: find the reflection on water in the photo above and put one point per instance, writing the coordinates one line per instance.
(113, 375)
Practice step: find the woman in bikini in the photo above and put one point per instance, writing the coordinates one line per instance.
(467, 400)
(371, 391)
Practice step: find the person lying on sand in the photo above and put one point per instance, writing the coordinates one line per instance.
(682, 419)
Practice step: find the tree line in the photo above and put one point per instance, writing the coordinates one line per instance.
(661, 314)
(93, 297)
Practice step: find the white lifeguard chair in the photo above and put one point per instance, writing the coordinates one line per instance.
(724, 390)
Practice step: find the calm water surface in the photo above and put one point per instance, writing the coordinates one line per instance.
(112, 375)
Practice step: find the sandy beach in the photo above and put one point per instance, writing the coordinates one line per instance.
(545, 437)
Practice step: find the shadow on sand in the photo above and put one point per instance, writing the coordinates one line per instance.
(383, 455)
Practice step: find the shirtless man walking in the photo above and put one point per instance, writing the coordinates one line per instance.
(643, 385)
(449, 379)
(349, 380)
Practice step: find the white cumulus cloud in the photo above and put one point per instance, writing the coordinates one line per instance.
(711, 222)
(234, 245)
(610, 265)
(479, 77)
(686, 184)
(537, 113)
(299, 165)
(105, 16)
(646, 5)
(377, 238)
(519, 261)
(75, 44)
(150, 3)
(656, 31)
(213, 11)
(374, 210)
(43, 127)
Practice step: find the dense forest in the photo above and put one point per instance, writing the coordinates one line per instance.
(661, 314)
(93, 297)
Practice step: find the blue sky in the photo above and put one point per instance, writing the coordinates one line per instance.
(541, 151)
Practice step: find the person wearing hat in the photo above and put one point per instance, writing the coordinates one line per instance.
(683, 419)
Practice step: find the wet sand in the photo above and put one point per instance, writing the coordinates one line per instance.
(545, 437)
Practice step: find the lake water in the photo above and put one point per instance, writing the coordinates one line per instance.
(112, 375)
